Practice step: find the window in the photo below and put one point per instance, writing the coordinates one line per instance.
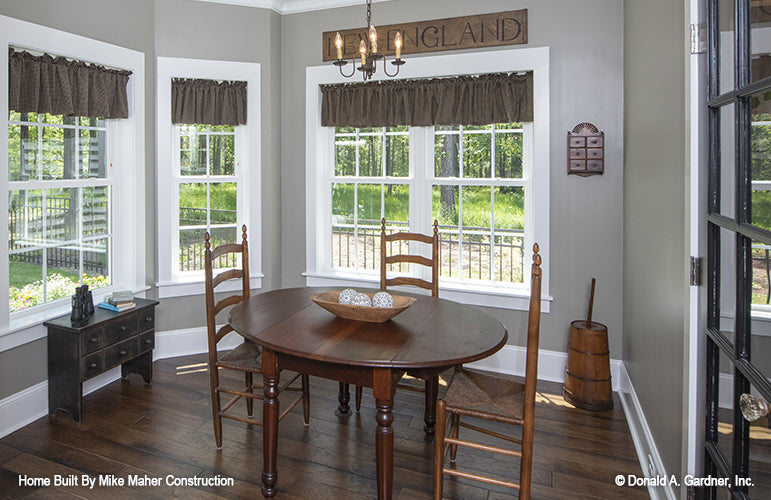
(74, 188)
(207, 186)
(59, 207)
(478, 197)
(208, 178)
(487, 186)
(371, 181)
(473, 179)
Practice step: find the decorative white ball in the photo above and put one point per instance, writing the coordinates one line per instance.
(347, 295)
(382, 299)
(361, 300)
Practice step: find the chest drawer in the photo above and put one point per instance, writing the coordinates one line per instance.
(93, 364)
(146, 342)
(93, 340)
(146, 319)
(120, 352)
(120, 329)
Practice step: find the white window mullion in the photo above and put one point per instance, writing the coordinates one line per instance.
(492, 232)
(176, 176)
(80, 212)
(383, 172)
(528, 140)
(460, 230)
(44, 239)
(492, 203)
(421, 157)
(355, 259)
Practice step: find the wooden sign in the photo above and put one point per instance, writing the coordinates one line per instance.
(468, 32)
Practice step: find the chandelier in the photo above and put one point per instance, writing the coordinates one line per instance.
(368, 52)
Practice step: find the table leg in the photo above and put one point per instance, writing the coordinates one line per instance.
(432, 388)
(343, 397)
(384, 434)
(270, 377)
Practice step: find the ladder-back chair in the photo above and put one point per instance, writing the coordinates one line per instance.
(246, 357)
(386, 259)
(493, 398)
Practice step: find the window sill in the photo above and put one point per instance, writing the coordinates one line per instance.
(195, 285)
(28, 326)
(486, 296)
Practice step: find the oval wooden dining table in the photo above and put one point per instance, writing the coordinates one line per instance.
(296, 334)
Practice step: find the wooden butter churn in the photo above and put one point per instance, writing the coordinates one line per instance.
(587, 376)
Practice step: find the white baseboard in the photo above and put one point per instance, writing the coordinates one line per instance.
(551, 364)
(173, 343)
(28, 405)
(24, 407)
(644, 444)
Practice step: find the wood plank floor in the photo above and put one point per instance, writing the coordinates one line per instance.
(165, 429)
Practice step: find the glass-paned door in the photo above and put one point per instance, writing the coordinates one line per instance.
(738, 429)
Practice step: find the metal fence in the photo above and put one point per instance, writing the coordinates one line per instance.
(470, 254)
(189, 216)
(191, 243)
(26, 219)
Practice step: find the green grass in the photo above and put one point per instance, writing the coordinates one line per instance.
(397, 204)
(223, 196)
(22, 274)
(761, 209)
(509, 206)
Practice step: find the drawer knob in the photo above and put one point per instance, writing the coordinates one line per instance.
(148, 319)
(93, 340)
(148, 341)
(122, 353)
(123, 328)
(92, 365)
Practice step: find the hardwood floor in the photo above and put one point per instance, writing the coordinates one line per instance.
(165, 429)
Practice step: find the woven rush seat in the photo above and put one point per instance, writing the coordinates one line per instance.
(473, 393)
(491, 397)
(245, 357)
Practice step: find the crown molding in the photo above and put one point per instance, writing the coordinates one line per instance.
(293, 6)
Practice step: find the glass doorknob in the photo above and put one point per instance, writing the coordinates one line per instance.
(753, 407)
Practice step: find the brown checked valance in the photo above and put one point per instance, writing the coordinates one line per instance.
(208, 102)
(56, 85)
(462, 100)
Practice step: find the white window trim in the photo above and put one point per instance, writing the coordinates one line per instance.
(171, 282)
(127, 155)
(318, 145)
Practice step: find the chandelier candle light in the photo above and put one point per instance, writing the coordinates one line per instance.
(369, 53)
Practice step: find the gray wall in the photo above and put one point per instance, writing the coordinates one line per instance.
(585, 41)
(654, 215)
(201, 30)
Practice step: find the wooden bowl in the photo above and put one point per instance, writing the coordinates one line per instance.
(329, 301)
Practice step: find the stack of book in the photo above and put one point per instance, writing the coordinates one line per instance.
(118, 301)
